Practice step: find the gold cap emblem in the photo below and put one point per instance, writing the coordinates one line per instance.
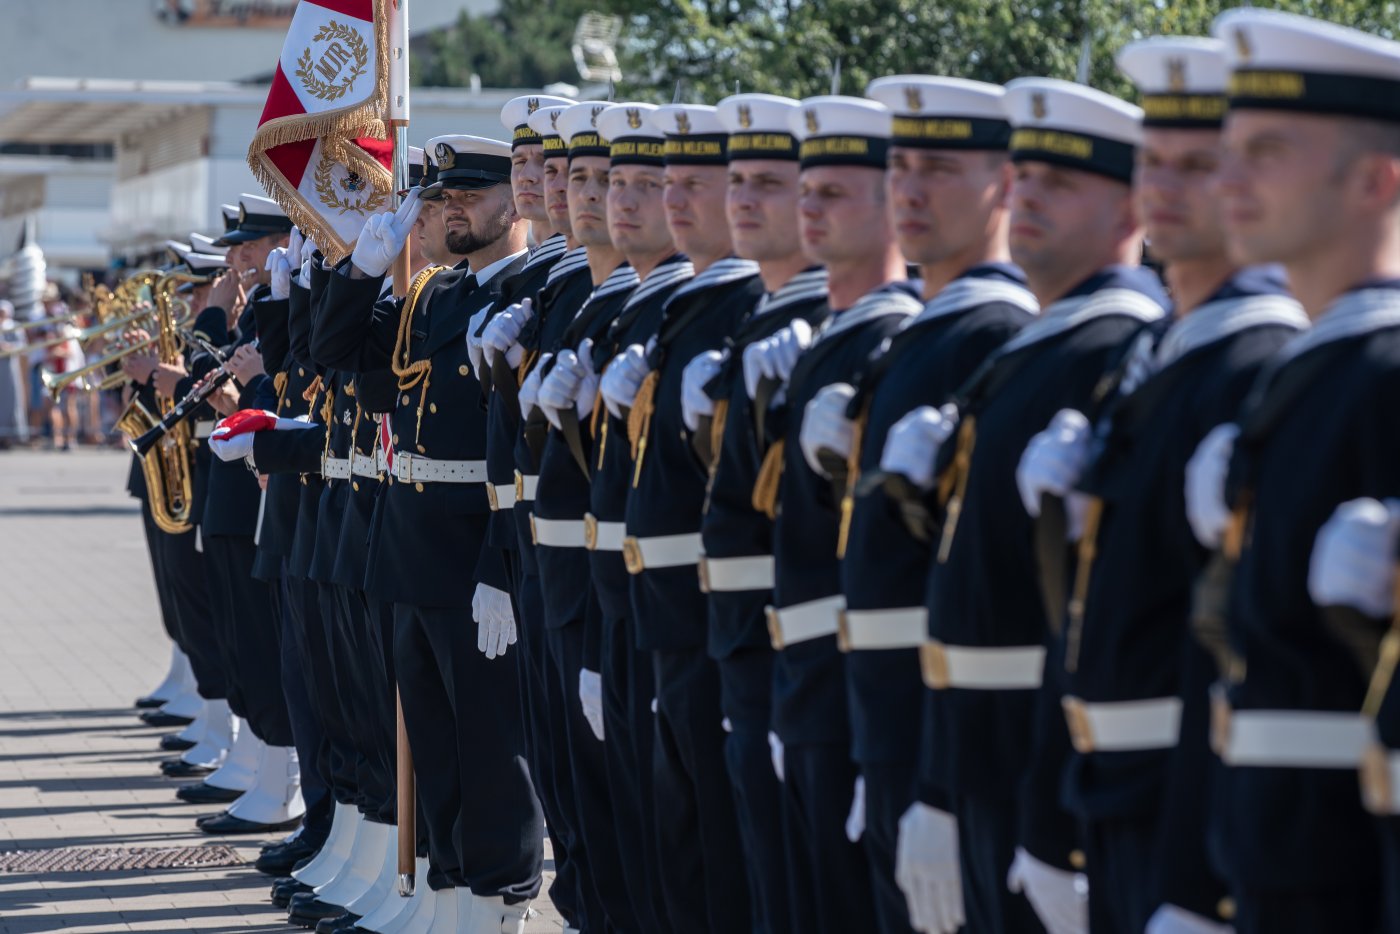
(1038, 108)
(745, 116)
(634, 118)
(683, 123)
(1176, 75)
(813, 125)
(1242, 46)
(914, 99)
(532, 105)
(446, 156)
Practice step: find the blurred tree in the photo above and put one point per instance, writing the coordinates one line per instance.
(791, 46)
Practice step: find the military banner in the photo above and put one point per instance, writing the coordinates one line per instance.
(320, 148)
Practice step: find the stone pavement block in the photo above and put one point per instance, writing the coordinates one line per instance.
(82, 639)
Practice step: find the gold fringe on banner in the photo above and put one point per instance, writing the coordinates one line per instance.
(770, 476)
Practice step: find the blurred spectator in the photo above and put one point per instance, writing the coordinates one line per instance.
(14, 427)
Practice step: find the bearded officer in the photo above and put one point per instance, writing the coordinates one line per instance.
(483, 820)
(947, 185)
(1311, 178)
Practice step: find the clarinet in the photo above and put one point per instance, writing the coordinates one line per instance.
(192, 401)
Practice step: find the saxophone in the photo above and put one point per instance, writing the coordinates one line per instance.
(168, 468)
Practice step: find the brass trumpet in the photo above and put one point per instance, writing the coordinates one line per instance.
(84, 336)
(42, 322)
(55, 383)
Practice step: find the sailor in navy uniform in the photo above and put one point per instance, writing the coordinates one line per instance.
(1073, 232)
(1135, 681)
(844, 143)
(947, 185)
(562, 496)
(737, 564)
(1288, 828)
(243, 604)
(663, 488)
(460, 699)
(566, 288)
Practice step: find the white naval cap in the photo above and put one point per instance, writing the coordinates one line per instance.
(694, 134)
(202, 244)
(230, 213)
(515, 116)
(467, 162)
(201, 264)
(838, 130)
(1181, 80)
(578, 127)
(1072, 125)
(758, 126)
(631, 137)
(1281, 61)
(258, 217)
(943, 113)
(545, 124)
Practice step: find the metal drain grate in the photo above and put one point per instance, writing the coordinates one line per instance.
(114, 858)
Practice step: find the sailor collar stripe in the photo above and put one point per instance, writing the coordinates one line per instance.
(1216, 321)
(879, 304)
(720, 273)
(660, 278)
(807, 286)
(570, 262)
(551, 249)
(1352, 315)
(1067, 314)
(621, 279)
(970, 292)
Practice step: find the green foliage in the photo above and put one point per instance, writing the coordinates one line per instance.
(791, 46)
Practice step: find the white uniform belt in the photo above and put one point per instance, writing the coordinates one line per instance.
(603, 536)
(722, 575)
(336, 468)
(896, 628)
(660, 551)
(557, 533)
(365, 465)
(203, 428)
(802, 622)
(1380, 779)
(525, 487)
(979, 668)
(1288, 739)
(1123, 726)
(500, 496)
(413, 468)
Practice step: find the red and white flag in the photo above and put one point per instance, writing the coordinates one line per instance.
(320, 149)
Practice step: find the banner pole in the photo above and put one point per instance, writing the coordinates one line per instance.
(398, 123)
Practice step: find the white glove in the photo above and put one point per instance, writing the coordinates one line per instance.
(295, 242)
(1170, 919)
(1206, 472)
(383, 237)
(911, 447)
(775, 749)
(474, 348)
(590, 695)
(503, 333)
(927, 869)
(281, 268)
(623, 378)
(571, 382)
(1060, 899)
(825, 426)
(855, 821)
(1353, 561)
(495, 621)
(1052, 464)
(695, 403)
(774, 357)
(530, 389)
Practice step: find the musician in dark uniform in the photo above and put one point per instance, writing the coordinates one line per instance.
(429, 526)
(737, 564)
(1073, 232)
(664, 496)
(1310, 179)
(946, 186)
(842, 224)
(1135, 680)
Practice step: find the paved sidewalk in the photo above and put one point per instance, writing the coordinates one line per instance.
(80, 639)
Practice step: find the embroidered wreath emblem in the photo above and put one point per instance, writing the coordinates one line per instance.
(353, 184)
(337, 87)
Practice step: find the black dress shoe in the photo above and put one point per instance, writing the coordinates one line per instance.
(306, 910)
(281, 859)
(161, 718)
(171, 742)
(337, 924)
(201, 793)
(284, 889)
(228, 824)
(150, 703)
(179, 768)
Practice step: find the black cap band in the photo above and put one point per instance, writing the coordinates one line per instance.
(700, 149)
(637, 150)
(1183, 111)
(1317, 93)
(762, 146)
(524, 136)
(554, 147)
(588, 144)
(951, 132)
(1110, 157)
(264, 223)
(867, 151)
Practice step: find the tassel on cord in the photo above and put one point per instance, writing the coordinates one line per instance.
(308, 394)
(527, 363)
(848, 501)
(279, 382)
(770, 475)
(717, 428)
(598, 425)
(639, 418)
